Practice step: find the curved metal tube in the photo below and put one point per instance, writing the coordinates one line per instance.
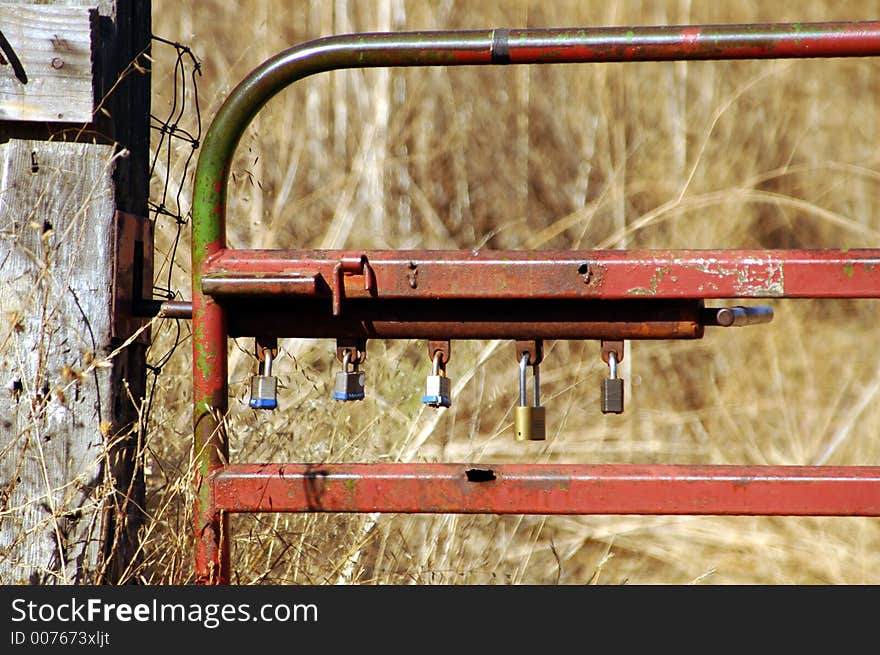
(452, 48)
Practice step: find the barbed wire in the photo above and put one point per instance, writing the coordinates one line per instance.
(175, 142)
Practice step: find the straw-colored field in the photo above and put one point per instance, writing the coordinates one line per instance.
(682, 155)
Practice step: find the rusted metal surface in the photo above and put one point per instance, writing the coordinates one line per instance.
(754, 41)
(606, 347)
(534, 349)
(513, 274)
(549, 489)
(175, 309)
(220, 274)
(307, 284)
(266, 346)
(355, 348)
(470, 319)
(348, 267)
(132, 275)
(441, 347)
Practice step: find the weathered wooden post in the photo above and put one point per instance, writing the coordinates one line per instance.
(74, 182)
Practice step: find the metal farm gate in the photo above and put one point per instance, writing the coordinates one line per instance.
(524, 296)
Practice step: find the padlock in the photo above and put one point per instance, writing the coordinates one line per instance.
(349, 383)
(264, 387)
(612, 388)
(529, 421)
(437, 385)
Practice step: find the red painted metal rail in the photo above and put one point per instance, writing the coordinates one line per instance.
(441, 295)
(549, 274)
(549, 489)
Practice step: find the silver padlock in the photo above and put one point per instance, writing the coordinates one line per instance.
(349, 383)
(612, 388)
(437, 385)
(530, 422)
(264, 387)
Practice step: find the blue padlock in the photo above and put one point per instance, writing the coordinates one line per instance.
(437, 386)
(264, 388)
(349, 383)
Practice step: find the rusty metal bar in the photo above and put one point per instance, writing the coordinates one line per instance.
(469, 319)
(585, 324)
(499, 46)
(549, 489)
(520, 274)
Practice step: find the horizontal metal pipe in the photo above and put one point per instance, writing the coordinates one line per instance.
(378, 318)
(710, 316)
(264, 285)
(736, 316)
(163, 309)
(511, 274)
(750, 41)
(176, 309)
(548, 489)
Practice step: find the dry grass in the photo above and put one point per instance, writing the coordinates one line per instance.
(685, 155)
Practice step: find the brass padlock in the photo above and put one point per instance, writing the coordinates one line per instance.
(529, 421)
(437, 385)
(612, 388)
(264, 386)
(349, 383)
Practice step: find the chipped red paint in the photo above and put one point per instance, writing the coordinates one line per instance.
(690, 35)
(549, 489)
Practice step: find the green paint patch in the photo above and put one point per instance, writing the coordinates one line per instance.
(655, 281)
(203, 361)
(351, 485)
(849, 269)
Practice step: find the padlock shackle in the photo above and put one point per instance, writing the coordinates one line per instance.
(450, 48)
(523, 365)
(536, 385)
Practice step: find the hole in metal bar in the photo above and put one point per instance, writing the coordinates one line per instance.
(480, 475)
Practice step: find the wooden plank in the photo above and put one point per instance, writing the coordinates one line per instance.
(121, 70)
(56, 407)
(49, 63)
